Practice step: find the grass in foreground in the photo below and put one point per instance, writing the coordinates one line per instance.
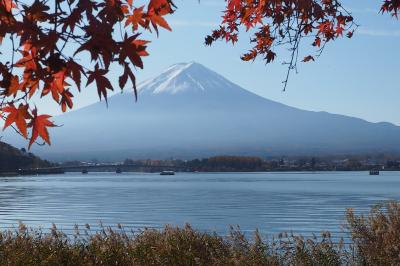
(375, 241)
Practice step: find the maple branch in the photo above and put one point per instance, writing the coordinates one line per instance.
(293, 61)
(55, 22)
(13, 52)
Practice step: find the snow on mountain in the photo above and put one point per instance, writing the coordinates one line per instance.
(190, 111)
(184, 77)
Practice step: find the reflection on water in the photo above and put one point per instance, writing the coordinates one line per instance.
(272, 202)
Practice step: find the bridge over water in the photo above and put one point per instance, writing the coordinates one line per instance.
(103, 168)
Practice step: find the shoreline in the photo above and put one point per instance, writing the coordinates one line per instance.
(32, 172)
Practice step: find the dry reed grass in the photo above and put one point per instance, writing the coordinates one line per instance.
(375, 241)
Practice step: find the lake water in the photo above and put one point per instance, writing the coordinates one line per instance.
(272, 202)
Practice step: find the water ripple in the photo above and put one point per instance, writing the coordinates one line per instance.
(273, 202)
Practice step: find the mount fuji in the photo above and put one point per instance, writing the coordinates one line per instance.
(190, 111)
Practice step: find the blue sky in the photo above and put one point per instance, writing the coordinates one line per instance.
(357, 77)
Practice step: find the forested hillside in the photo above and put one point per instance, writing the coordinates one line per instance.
(12, 159)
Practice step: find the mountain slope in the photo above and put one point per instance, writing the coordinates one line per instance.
(190, 111)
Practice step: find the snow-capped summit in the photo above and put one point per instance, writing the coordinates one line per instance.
(184, 77)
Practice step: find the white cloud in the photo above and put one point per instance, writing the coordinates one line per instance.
(378, 33)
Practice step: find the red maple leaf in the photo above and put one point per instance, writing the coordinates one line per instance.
(39, 124)
(17, 116)
(102, 82)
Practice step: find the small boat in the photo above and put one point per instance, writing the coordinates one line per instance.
(84, 171)
(374, 172)
(167, 173)
(118, 171)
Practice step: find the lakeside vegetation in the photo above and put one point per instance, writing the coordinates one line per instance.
(298, 163)
(375, 240)
(251, 164)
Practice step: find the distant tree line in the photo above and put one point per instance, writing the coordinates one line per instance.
(218, 163)
(302, 163)
(254, 164)
(12, 159)
(226, 163)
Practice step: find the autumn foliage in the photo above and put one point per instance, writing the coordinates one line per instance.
(49, 40)
(286, 24)
(276, 24)
(60, 46)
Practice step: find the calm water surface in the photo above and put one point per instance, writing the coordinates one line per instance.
(272, 202)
